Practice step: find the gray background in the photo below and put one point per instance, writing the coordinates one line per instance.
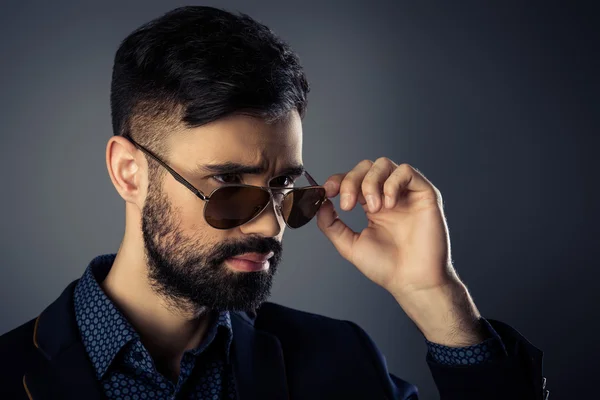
(497, 105)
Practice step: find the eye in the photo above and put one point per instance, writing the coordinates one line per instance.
(227, 178)
(282, 181)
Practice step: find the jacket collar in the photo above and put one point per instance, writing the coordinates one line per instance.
(65, 371)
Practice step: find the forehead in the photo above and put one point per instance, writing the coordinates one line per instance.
(243, 139)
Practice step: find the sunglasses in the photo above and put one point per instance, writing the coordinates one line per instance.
(233, 205)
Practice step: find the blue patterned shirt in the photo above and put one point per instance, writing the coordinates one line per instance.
(127, 371)
(124, 366)
(487, 351)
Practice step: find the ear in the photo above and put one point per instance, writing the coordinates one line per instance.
(127, 168)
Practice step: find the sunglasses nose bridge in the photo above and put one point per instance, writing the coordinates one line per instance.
(277, 202)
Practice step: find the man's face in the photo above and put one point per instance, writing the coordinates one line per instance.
(187, 258)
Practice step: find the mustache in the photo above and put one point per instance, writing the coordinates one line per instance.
(252, 244)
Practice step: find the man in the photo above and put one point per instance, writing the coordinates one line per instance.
(207, 154)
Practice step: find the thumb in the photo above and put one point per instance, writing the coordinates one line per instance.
(335, 229)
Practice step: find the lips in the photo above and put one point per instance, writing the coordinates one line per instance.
(255, 257)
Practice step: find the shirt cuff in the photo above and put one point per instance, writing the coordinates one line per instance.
(487, 351)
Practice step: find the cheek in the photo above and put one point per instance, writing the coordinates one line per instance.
(190, 214)
(188, 209)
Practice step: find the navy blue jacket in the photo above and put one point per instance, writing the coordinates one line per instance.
(278, 354)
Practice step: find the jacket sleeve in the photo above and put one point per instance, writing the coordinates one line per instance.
(518, 376)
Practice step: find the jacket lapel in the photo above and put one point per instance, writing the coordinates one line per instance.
(63, 369)
(257, 358)
(69, 376)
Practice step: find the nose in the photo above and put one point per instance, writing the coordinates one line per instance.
(268, 222)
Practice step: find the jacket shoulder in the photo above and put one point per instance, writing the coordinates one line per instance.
(19, 340)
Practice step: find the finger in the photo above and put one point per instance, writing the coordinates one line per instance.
(372, 184)
(405, 178)
(335, 229)
(333, 184)
(350, 187)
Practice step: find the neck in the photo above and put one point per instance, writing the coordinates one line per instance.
(166, 332)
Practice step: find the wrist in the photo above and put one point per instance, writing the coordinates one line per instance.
(445, 315)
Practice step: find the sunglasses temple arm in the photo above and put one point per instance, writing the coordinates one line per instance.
(174, 173)
(310, 179)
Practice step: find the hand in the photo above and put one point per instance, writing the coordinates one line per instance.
(405, 248)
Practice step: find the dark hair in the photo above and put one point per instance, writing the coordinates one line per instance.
(196, 64)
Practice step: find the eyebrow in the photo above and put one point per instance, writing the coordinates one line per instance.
(241, 169)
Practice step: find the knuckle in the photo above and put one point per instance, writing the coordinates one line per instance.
(404, 167)
(372, 177)
(383, 160)
(366, 162)
(335, 178)
(372, 172)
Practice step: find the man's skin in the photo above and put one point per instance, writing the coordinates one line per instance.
(405, 248)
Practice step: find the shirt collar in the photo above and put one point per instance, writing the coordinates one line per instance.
(105, 330)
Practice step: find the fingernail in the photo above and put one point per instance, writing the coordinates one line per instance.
(388, 202)
(371, 202)
(345, 200)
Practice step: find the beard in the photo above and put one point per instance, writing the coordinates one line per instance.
(191, 275)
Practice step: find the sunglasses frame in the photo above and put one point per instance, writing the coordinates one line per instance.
(206, 198)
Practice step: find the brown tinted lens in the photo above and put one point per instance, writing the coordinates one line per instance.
(231, 206)
(300, 205)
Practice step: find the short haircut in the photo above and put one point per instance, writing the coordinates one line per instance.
(196, 64)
